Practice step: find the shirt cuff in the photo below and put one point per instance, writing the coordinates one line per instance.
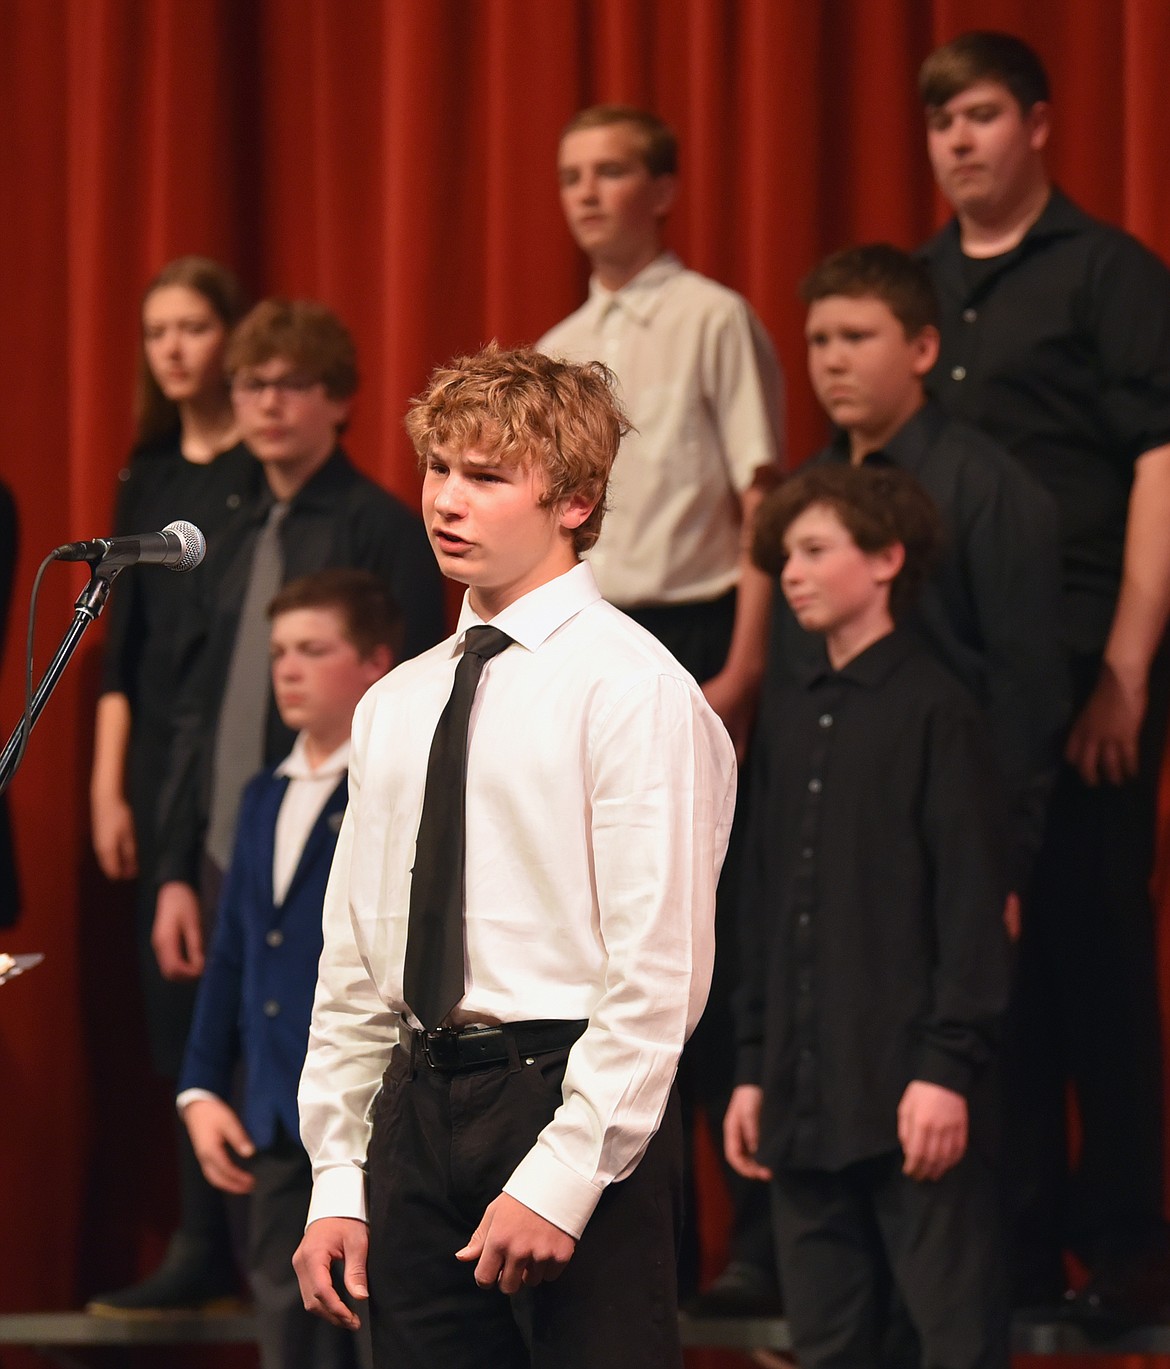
(553, 1191)
(339, 1192)
(193, 1096)
(749, 1063)
(937, 1066)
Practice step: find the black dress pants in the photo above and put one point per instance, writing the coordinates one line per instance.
(290, 1337)
(847, 1239)
(1086, 1011)
(442, 1147)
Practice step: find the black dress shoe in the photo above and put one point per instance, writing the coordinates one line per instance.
(192, 1278)
(742, 1290)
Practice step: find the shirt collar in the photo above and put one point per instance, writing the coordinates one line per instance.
(1059, 218)
(535, 616)
(908, 448)
(320, 490)
(295, 765)
(868, 669)
(639, 297)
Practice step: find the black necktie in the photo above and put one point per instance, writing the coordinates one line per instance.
(432, 979)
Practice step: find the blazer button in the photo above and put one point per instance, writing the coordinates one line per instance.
(275, 937)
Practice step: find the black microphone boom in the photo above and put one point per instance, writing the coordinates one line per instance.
(180, 546)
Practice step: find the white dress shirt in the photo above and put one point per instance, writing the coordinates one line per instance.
(600, 793)
(307, 794)
(699, 379)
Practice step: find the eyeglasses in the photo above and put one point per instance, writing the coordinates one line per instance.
(252, 387)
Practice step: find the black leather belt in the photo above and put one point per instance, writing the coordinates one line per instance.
(452, 1052)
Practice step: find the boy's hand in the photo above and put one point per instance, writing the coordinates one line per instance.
(514, 1246)
(1103, 743)
(741, 1132)
(932, 1127)
(216, 1131)
(177, 935)
(113, 837)
(325, 1240)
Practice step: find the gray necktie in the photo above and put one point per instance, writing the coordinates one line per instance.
(243, 712)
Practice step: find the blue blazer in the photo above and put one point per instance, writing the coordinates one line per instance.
(256, 996)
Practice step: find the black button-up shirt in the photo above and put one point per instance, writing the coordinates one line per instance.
(990, 610)
(339, 518)
(875, 947)
(1060, 349)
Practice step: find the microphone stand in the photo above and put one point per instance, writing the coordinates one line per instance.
(88, 606)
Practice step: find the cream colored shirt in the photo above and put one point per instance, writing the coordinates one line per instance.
(600, 791)
(699, 379)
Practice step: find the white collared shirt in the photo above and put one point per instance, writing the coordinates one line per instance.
(698, 377)
(600, 791)
(307, 794)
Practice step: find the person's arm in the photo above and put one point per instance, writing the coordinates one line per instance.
(756, 911)
(746, 389)
(963, 836)
(662, 787)
(1103, 744)
(111, 821)
(1010, 544)
(735, 691)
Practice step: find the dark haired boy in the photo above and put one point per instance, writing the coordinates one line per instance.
(1056, 340)
(989, 609)
(333, 635)
(877, 959)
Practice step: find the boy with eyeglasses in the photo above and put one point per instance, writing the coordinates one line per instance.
(294, 373)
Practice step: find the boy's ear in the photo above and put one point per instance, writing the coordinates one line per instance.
(924, 347)
(575, 510)
(380, 662)
(1038, 120)
(665, 192)
(888, 562)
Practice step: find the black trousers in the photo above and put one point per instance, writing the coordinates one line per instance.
(847, 1239)
(290, 1337)
(1086, 1011)
(442, 1147)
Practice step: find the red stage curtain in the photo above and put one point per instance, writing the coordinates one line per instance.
(395, 158)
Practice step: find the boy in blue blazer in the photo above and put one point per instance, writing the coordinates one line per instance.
(333, 635)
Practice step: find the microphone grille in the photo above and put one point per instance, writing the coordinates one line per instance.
(194, 544)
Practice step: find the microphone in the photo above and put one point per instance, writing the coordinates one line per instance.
(180, 546)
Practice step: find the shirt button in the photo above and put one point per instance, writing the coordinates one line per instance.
(233, 501)
(805, 981)
(958, 373)
(804, 919)
(969, 315)
(826, 720)
(814, 786)
(275, 937)
(807, 853)
(272, 1008)
(806, 1053)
